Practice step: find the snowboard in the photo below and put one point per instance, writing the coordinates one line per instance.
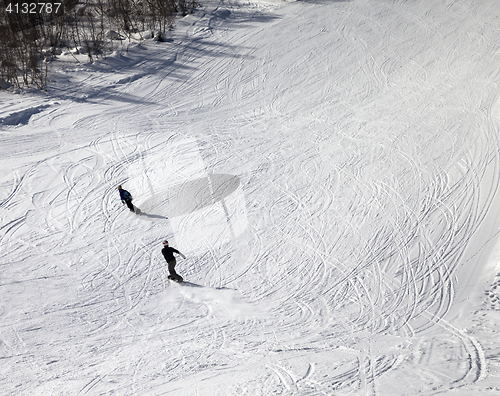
(137, 210)
(177, 279)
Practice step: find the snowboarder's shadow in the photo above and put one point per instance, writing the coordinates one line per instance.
(191, 284)
(207, 287)
(152, 216)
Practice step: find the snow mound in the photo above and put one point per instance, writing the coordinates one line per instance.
(22, 117)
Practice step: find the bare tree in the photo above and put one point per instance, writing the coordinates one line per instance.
(31, 39)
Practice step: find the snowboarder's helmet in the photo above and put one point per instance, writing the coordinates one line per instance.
(165, 243)
(119, 187)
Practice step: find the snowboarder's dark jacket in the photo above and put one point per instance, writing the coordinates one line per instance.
(168, 253)
(125, 195)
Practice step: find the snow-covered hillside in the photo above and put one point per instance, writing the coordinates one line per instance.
(329, 168)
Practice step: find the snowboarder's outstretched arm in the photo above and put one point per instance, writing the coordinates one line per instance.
(179, 253)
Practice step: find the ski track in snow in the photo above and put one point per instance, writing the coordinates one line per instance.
(361, 134)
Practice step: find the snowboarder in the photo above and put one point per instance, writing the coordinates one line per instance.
(168, 253)
(126, 198)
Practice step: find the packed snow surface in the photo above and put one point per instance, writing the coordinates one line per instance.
(329, 168)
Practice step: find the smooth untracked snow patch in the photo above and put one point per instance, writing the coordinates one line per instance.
(205, 210)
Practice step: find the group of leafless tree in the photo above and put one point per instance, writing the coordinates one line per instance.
(31, 34)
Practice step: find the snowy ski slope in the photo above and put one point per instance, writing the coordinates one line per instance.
(329, 168)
